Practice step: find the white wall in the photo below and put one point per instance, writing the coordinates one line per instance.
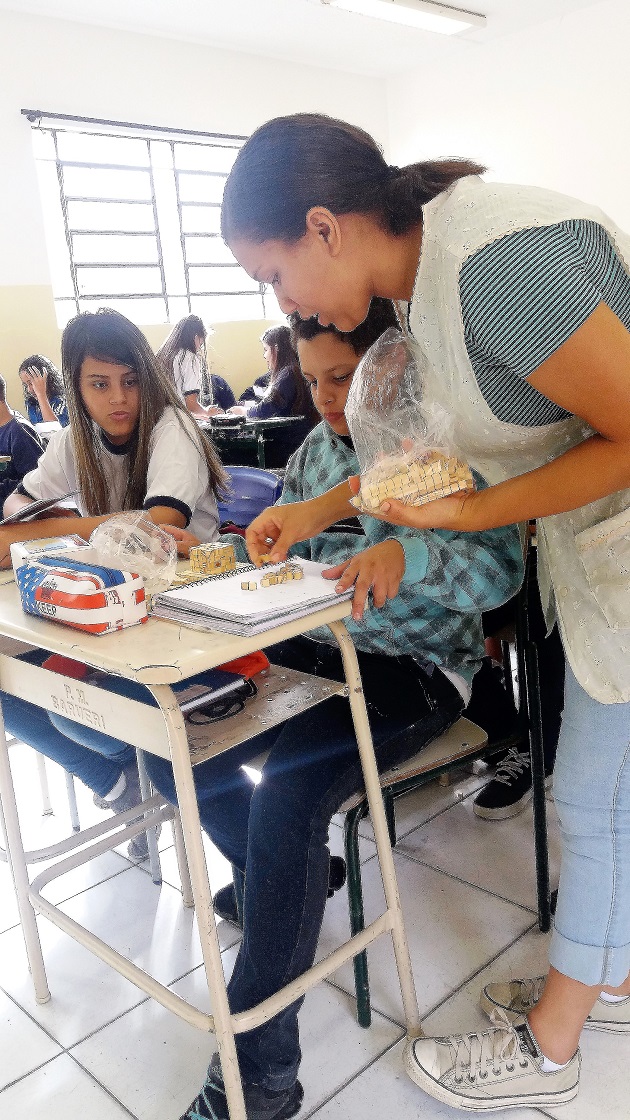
(65, 67)
(96, 72)
(548, 106)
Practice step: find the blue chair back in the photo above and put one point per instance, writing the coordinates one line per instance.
(252, 491)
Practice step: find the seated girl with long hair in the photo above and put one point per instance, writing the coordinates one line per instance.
(286, 394)
(42, 385)
(185, 359)
(131, 445)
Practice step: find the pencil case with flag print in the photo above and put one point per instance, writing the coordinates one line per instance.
(82, 595)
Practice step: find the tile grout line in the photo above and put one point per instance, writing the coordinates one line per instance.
(455, 991)
(458, 879)
(345, 1084)
(103, 1087)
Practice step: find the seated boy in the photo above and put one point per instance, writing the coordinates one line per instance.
(19, 442)
(417, 655)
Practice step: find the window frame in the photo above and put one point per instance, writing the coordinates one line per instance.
(58, 124)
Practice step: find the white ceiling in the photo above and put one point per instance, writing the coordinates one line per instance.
(302, 31)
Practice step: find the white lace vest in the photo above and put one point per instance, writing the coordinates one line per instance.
(590, 575)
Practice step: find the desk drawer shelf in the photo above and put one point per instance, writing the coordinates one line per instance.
(282, 693)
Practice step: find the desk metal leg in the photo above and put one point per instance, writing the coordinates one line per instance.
(47, 809)
(72, 802)
(19, 871)
(145, 793)
(187, 800)
(379, 824)
(260, 450)
(182, 861)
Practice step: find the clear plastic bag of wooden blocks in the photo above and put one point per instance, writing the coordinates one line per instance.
(404, 446)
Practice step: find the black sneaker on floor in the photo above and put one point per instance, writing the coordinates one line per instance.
(260, 1103)
(508, 793)
(224, 901)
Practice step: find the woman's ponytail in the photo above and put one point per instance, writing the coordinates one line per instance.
(408, 189)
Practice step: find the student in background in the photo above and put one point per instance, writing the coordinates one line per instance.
(42, 385)
(185, 359)
(418, 650)
(18, 440)
(285, 395)
(130, 445)
(256, 391)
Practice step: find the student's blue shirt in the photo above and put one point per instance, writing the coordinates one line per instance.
(58, 405)
(19, 440)
(221, 392)
(450, 578)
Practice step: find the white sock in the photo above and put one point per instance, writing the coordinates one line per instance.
(116, 791)
(611, 999)
(547, 1066)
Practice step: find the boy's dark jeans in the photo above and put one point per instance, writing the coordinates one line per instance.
(277, 832)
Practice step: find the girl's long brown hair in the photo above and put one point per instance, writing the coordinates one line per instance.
(286, 358)
(110, 337)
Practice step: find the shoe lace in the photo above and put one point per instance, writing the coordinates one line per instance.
(473, 1054)
(514, 763)
(203, 1101)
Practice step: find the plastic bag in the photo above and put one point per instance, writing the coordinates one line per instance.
(132, 542)
(404, 446)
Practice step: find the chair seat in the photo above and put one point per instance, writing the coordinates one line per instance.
(464, 738)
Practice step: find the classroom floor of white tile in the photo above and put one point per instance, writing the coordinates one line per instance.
(101, 1049)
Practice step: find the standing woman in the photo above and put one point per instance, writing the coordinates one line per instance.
(287, 394)
(185, 359)
(42, 385)
(520, 300)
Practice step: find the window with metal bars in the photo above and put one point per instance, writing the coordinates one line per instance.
(131, 214)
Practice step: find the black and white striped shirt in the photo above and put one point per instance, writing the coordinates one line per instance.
(523, 296)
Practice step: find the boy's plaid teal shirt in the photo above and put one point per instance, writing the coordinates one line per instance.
(450, 578)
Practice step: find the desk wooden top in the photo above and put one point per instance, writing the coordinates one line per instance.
(157, 652)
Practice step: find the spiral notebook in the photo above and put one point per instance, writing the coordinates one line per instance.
(220, 603)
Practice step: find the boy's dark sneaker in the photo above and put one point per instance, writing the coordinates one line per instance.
(508, 793)
(260, 1103)
(224, 901)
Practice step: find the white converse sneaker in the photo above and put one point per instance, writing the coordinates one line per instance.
(489, 1070)
(516, 998)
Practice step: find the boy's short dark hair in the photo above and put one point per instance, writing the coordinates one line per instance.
(3, 390)
(379, 318)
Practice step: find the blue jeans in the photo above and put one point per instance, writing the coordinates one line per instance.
(591, 939)
(70, 744)
(276, 833)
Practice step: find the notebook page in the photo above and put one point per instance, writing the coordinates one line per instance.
(223, 598)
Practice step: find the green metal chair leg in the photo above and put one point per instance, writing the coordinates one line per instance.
(390, 815)
(355, 903)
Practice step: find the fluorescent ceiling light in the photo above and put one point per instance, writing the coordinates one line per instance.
(424, 14)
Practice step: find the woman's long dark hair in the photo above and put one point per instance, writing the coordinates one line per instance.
(182, 337)
(54, 380)
(291, 164)
(286, 358)
(110, 337)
